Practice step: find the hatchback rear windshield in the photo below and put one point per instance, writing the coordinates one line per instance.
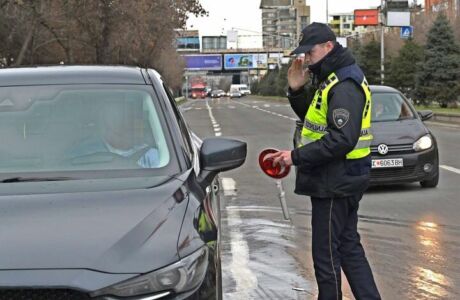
(390, 107)
(79, 128)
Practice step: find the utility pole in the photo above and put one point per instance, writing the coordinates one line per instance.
(186, 87)
(382, 44)
(327, 11)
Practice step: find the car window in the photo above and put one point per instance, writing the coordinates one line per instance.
(79, 128)
(187, 144)
(390, 107)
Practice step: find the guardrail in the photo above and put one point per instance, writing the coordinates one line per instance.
(446, 118)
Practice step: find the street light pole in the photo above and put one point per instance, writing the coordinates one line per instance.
(382, 45)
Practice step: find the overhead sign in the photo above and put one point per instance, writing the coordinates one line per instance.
(406, 32)
(245, 61)
(366, 17)
(203, 62)
(397, 4)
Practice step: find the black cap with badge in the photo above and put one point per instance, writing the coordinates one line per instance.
(314, 34)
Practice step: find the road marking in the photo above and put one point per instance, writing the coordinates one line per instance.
(452, 169)
(229, 186)
(267, 111)
(244, 278)
(215, 125)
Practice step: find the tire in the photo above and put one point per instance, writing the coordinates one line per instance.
(430, 183)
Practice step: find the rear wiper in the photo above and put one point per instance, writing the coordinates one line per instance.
(31, 179)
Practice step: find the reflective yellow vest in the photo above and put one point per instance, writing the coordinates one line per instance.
(315, 125)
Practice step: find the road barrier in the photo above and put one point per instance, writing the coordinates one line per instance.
(446, 118)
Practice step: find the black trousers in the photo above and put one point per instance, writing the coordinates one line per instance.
(336, 245)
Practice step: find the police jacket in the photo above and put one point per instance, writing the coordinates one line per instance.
(322, 168)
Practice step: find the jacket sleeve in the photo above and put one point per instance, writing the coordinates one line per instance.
(344, 117)
(300, 100)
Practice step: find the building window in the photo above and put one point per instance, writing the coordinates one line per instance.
(346, 26)
(304, 21)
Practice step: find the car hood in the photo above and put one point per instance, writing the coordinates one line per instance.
(397, 132)
(131, 230)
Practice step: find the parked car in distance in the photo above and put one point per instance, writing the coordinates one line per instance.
(104, 189)
(403, 150)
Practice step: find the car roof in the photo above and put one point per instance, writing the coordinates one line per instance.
(44, 75)
(382, 89)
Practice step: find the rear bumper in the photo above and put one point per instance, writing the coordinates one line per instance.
(413, 170)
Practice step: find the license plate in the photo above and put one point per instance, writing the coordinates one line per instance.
(387, 163)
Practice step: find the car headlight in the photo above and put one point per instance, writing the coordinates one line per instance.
(423, 143)
(182, 276)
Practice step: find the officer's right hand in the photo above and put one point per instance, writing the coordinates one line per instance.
(297, 76)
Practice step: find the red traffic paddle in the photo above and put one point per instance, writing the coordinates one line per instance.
(266, 164)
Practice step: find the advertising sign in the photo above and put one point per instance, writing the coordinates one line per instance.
(245, 61)
(398, 18)
(366, 17)
(203, 62)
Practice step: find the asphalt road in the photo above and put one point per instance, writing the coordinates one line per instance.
(411, 235)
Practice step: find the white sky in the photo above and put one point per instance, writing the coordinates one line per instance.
(225, 14)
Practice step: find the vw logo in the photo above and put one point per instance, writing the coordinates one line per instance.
(382, 149)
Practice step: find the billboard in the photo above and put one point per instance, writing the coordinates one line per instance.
(366, 17)
(245, 61)
(398, 18)
(203, 62)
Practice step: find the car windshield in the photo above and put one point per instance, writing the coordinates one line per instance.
(390, 107)
(79, 128)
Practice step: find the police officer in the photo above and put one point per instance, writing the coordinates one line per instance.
(332, 157)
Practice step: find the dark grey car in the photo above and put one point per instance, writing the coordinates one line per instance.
(105, 193)
(403, 149)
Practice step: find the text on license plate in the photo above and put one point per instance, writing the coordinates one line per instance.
(387, 163)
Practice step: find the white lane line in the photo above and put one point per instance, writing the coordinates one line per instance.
(244, 278)
(229, 186)
(452, 169)
(215, 125)
(267, 111)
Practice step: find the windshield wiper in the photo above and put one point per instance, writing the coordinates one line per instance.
(31, 179)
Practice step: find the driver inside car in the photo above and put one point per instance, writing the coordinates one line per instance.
(120, 133)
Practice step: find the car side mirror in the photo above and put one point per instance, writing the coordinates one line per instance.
(218, 155)
(425, 114)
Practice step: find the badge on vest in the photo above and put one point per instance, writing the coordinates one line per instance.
(340, 117)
